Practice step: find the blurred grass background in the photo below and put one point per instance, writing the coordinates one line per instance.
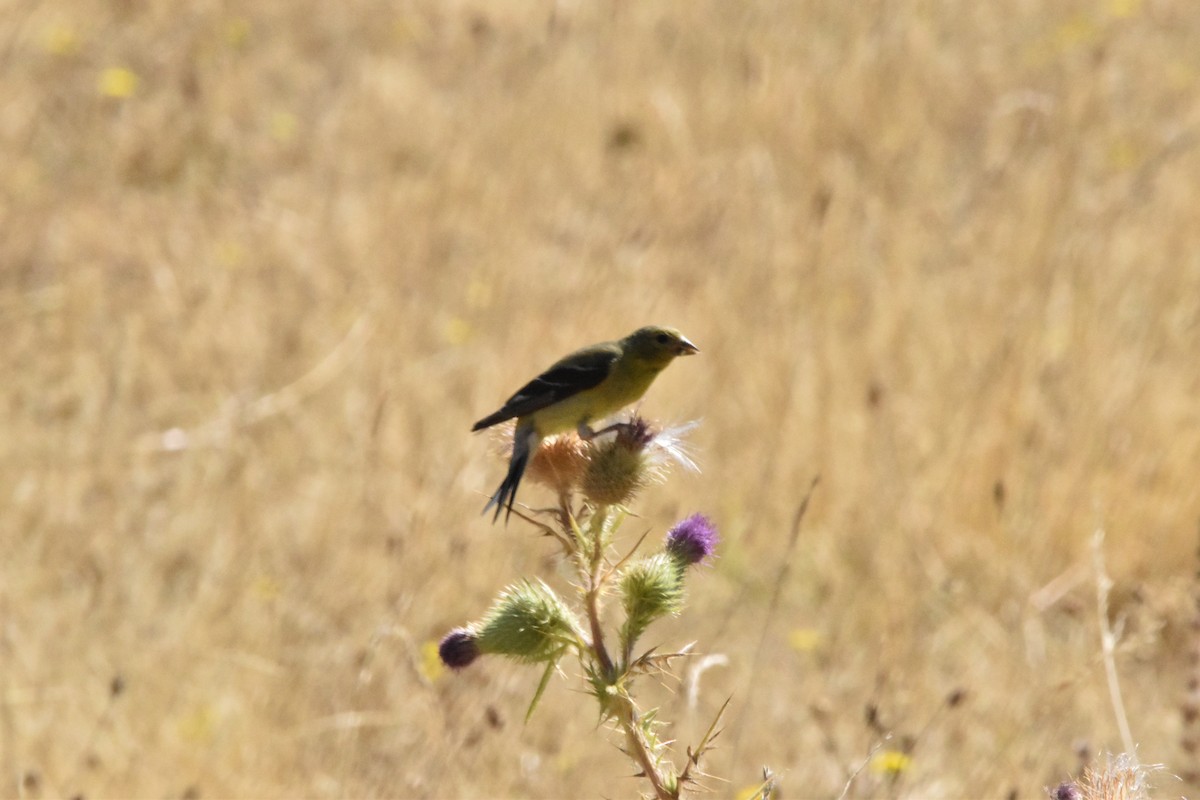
(263, 265)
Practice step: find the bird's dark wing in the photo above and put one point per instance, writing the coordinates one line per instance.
(577, 372)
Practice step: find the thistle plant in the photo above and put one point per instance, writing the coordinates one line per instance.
(594, 482)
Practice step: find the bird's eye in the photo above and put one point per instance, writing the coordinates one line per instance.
(662, 338)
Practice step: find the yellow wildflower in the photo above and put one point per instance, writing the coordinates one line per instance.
(804, 640)
(1124, 8)
(118, 82)
(283, 126)
(266, 588)
(199, 725)
(456, 330)
(890, 762)
(431, 661)
(237, 31)
(60, 40)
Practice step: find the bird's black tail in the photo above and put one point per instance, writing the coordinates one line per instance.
(523, 447)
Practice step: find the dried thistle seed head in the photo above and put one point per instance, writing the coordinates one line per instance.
(1119, 776)
(459, 648)
(615, 474)
(560, 462)
(621, 466)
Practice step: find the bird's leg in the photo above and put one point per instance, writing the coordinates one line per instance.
(587, 434)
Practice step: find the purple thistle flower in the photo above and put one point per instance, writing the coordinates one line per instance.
(692, 540)
(636, 434)
(458, 648)
(1066, 791)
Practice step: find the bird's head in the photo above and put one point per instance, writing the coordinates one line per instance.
(658, 345)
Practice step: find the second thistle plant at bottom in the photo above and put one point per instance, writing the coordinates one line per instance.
(595, 481)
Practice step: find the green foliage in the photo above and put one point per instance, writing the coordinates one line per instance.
(529, 623)
(650, 588)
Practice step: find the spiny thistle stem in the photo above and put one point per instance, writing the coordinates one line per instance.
(598, 646)
(564, 511)
(595, 589)
(639, 748)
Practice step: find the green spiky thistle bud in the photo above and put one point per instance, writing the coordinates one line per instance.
(529, 623)
(650, 588)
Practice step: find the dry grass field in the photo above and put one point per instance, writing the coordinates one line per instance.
(262, 265)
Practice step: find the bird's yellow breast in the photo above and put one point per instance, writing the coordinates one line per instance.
(627, 383)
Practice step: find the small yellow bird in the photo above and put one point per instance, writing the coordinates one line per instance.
(587, 385)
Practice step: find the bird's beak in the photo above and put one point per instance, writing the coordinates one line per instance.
(686, 348)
